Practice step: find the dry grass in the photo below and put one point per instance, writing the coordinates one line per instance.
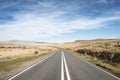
(12, 64)
(10, 51)
(103, 49)
(13, 55)
(104, 53)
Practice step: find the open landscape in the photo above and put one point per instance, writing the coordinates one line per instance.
(14, 55)
(104, 53)
(59, 39)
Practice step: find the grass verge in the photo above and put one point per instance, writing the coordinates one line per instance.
(12, 64)
(115, 70)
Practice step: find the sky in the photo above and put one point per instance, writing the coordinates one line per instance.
(59, 20)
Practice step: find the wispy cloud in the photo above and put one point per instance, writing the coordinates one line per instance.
(6, 5)
(46, 23)
(35, 25)
(103, 1)
(46, 4)
(106, 2)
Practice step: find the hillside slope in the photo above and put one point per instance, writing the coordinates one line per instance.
(102, 52)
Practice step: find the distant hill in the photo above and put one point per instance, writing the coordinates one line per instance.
(98, 40)
(25, 42)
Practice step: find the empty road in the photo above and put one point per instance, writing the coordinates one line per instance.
(63, 66)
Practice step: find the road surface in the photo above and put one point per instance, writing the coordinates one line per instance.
(63, 66)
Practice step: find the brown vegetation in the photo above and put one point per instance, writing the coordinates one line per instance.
(14, 57)
(9, 51)
(102, 52)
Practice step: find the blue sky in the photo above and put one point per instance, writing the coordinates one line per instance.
(59, 20)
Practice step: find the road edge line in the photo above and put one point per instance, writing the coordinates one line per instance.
(29, 67)
(98, 68)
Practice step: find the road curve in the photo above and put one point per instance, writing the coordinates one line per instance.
(63, 66)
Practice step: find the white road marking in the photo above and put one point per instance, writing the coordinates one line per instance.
(66, 67)
(98, 68)
(29, 68)
(62, 67)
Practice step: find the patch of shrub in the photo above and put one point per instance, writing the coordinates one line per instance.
(116, 58)
(2, 47)
(104, 55)
(36, 52)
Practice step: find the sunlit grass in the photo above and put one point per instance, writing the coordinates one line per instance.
(12, 64)
(103, 53)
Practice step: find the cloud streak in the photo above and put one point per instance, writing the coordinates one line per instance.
(48, 20)
(35, 25)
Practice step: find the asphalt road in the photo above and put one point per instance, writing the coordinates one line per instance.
(63, 66)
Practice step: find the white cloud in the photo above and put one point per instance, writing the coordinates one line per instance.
(105, 1)
(45, 4)
(35, 26)
(8, 5)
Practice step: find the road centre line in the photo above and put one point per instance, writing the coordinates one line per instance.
(66, 68)
(62, 67)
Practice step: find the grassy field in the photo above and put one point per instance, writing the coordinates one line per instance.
(13, 55)
(12, 64)
(114, 69)
(104, 53)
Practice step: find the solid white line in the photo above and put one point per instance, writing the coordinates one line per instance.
(98, 68)
(29, 68)
(62, 67)
(66, 67)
